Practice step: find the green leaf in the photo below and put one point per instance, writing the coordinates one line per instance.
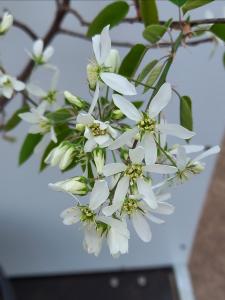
(60, 116)
(218, 30)
(147, 69)
(186, 119)
(112, 14)
(28, 147)
(132, 60)
(154, 33)
(153, 76)
(137, 104)
(178, 2)
(192, 4)
(149, 12)
(15, 119)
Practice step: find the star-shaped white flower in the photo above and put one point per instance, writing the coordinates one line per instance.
(99, 70)
(187, 166)
(139, 213)
(9, 84)
(96, 132)
(135, 174)
(40, 124)
(146, 123)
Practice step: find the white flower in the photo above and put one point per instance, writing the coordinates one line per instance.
(134, 175)
(96, 132)
(138, 212)
(117, 236)
(76, 186)
(100, 70)
(87, 215)
(146, 123)
(187, 166)
(40, 55)
(40, 124)
(6, 23)
(9, 84)
(61, 155)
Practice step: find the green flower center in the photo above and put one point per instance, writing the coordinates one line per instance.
(44, 125)
(134, 171)
(50, 97)
(130, 206)
(87, 215)
(96, 130)
(146, 124)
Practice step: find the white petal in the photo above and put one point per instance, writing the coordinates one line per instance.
(35, 90)
(105, 43)
(38, 47)
(182, 158)
(175, 130)
(141, 227)
(150, 148)
(7, 92)
(49, 51)
(164, 208)
(155, 219)
(119, 226)
(189, 149)
(102, 139)
(96, 47)
(35, 129)
(53, 135)
(124, 139)
(137, 155)
(161, 99)
(114, 168)
(118, 83)
(92, 240)
(29, 117)
(211, 151)
(160, 169)
(99, 194)
(95, 99)
(145, 189)
(127, 108)
(85, 119)
(89, 145)
(41, 108)
(18, 85)
(163, 197)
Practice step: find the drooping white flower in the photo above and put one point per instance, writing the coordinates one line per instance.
(117, 236)
(94, 230)
(40, 55)
(40, 124)
(76, 186)
(139, 213)
(6, 23)
(146, 123)
(187, 166)
(9, 84)
(96, 132)
(134, 174)
(103, 67)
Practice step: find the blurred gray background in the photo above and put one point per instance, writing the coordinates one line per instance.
(32, 238)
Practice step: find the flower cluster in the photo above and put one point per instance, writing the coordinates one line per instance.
(108, 196)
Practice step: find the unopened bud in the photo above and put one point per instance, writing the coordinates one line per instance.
(74, 100)
(92, 75)
(99, 159)
(75, 185)
(56, 155)
(80, 127)
(113, 61)
(67, 158)
(117, 114)
(7, 21)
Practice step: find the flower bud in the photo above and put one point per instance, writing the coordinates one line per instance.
(75, 185)
(99, 159)
(67, 158)
(117, 114)
(92, 75)
(113, 61)
(6, 23)
(80, 127)
(74, 100)
(56, 155)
